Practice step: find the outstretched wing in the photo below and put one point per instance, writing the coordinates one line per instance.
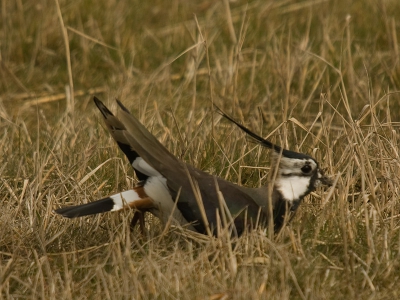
(183, 179)
(117, 129)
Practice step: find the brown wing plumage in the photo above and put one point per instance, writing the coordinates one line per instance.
(238, 199)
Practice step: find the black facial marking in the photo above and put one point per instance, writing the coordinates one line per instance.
(295, 174)
(306, 169)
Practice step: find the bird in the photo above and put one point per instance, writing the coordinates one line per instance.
(180, 194)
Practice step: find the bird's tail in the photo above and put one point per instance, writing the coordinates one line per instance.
(135, 198)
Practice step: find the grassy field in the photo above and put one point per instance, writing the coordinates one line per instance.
(320, 77)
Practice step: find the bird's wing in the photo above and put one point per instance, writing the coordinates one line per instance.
(186, 180)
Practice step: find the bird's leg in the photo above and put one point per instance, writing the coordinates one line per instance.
(138, 216)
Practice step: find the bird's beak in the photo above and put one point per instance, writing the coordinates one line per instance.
(323, 179)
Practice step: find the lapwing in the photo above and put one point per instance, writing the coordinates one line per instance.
(177, 192)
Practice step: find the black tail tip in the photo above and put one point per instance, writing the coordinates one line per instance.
(64, 212)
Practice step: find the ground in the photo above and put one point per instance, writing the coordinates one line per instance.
(319, 77)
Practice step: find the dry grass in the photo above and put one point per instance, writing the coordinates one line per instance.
(320, 76)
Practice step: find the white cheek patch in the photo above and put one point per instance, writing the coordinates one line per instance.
(124, 198)
(143, 167)
(292, 188)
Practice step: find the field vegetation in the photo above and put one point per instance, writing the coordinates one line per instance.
(319, 77)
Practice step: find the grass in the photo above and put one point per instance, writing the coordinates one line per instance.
(320, 77)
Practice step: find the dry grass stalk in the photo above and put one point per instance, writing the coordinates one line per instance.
(298, 73)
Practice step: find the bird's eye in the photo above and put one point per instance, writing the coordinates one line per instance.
(306, 169)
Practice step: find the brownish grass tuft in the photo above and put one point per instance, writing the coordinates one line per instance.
(320, 77)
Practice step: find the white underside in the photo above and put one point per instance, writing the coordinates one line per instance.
(123, 199)
(293, 187)
(156, 188)
(142, 166)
